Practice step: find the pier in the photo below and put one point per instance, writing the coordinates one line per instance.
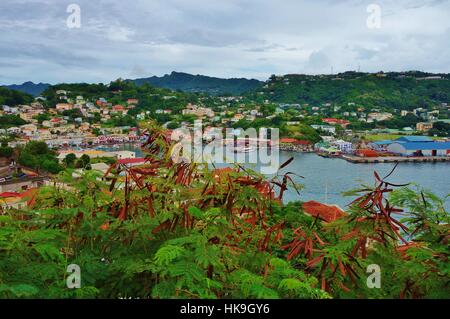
(395, 159)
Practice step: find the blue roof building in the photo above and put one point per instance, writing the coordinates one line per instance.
(420, 148)
(414, 139)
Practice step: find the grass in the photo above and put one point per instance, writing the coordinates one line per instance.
(386, 136)
(381, 137)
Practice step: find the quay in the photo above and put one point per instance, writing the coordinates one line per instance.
(395, 159)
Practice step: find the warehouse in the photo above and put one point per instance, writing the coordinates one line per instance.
(420, 148)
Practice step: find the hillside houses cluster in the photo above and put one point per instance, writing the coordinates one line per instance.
(59, 130)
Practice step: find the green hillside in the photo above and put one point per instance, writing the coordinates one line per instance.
(386, 90)
(200, 83)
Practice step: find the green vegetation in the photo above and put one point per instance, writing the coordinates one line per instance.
(390, 91)
(13, 97)
(6, 151)
(7, 121)
(42, 117)
(381, 137)
(199, 83)
(69, 160)
(441, 129)
(118, 121)
(83, 162)
(168, 230)
(38, 156)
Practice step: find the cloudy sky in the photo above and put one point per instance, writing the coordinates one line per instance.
(224, 38)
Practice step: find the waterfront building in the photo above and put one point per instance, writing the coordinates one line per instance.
(419, 146)
(343, 146)
(380, 145)
(125, 154)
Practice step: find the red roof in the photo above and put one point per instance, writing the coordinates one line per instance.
(294, 141)
(335, 121)
(127, 161)
(9, 194)
(327, 213)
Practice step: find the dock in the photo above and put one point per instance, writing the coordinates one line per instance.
(395, 159)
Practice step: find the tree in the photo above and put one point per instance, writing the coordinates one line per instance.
(42, 117)
(83, 162)
(37, 155)
(173, 125)
(70, 159)
(6, 151)
(7, 121)
(96, 132)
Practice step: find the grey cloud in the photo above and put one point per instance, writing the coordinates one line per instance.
(365, 54)
(252, 38)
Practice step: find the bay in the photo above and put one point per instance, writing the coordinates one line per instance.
(325, 179)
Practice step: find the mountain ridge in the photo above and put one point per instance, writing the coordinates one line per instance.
(29, 87)
(187, 82)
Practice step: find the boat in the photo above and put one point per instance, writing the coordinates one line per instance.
(329, 153)
(244, 149)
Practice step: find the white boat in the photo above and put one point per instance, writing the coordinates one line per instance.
(244, 149)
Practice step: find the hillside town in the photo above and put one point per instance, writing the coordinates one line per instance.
(96, 128)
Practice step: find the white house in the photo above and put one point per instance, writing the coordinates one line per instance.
(343, 146)
(124, 154)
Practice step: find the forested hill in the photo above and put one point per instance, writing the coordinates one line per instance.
(13, 97)
(200, 83)
(29, 87)
(390, 90)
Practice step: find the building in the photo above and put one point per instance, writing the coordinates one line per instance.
(295, 144)
(375, 116)
(15, 200)
(325, 128)
(414, 139)
(118, 108)
(21, 184)
(132, 101)
(333, 121)
(424, 127)
(29, 129)
(380, 145)
(326, 213)
(419, 146)
(131, 162)
(343, 146)
(64, 107)
(124, 154)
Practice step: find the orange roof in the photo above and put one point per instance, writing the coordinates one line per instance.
(118, 107)
(367, 153)
(335, 121)
(28, 193)
(294, 141)
(327, 213)
(288, 140)
(220, 172)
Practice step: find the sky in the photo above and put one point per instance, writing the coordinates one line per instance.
(40, 40)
